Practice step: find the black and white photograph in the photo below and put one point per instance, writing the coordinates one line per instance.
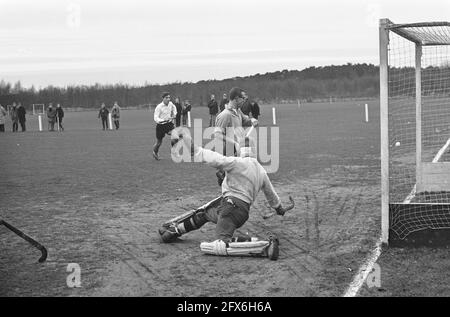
(224, 155)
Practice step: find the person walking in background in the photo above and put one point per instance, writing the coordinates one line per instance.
(255, 110)
(179, 112)
(103, 114)
(164, 115)
(51, 115)
(213, 110)
(14, 118)
(223, 102)
(21, 114)
(115, 113)
(60, 116)
(186, 108)
(2, 118)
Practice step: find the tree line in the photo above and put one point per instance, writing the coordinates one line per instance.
(343, 81)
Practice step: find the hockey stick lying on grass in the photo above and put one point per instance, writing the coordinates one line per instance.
(33, 242)
(289, 207)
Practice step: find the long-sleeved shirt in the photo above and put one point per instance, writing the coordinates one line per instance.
(244, 179)
(246, 107)
(51, 114)
(213, 107)
(60, 112)
(115, 112)
(186, 109)
(222, 105)
(232, 118)
(164, 113)
(14, 115)
(103, 113)
(21, 112)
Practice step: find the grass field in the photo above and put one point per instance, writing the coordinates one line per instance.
(97, 198)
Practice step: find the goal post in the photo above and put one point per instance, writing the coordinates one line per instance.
(37, 108)
(415, 132)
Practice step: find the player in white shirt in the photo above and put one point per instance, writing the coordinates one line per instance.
(164, 115)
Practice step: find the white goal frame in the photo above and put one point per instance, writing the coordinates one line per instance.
(36, 107)
(430, 176)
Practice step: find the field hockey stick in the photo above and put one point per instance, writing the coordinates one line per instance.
(250, 131)
(27, 238)
(289, 207)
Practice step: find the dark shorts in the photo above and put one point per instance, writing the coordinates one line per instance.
(229, 216)
(163, 129)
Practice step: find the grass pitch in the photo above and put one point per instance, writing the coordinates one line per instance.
(97, 198)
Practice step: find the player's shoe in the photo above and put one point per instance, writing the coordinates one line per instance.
(169, 233)
(156, 156)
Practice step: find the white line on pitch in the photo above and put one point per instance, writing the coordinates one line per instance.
(441, 151)
(411, 195)
(364, 271)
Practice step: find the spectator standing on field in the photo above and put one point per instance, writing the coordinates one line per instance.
(164, 115)
(186, 108)
(213, 110)
(223, 102)
(179, 112)
(21, 113)
(2, 118)
(60, 116)
(246, 107)
(51, 115)
(115, 113)
(255, 110)
(103, 114)
(14, 118)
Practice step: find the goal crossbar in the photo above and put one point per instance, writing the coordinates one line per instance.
(425, 33)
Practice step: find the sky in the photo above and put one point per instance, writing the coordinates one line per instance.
(134, 42)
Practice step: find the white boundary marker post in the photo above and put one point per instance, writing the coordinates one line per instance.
(57, 122)
(110, 121)
(189, 119)
(366, 109)
(274, 116)
(298, 102)
(40, 123)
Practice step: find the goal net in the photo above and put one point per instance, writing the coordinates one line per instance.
(415, 123)
(38, 109)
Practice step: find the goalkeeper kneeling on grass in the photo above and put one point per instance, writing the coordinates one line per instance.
(245, 177)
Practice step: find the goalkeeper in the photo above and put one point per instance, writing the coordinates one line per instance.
(245, 177)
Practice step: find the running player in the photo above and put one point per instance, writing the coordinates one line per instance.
(164, 116)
